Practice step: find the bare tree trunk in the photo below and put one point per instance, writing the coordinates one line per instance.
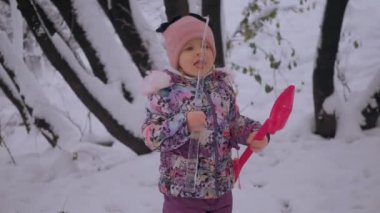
(212, 9)
(175, 8)
(371, 112)
(323, 75)
(52, 53)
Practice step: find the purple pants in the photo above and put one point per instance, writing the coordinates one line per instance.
(193, 205)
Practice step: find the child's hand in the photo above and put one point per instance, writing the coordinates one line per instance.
(196, 121)
(256, 145)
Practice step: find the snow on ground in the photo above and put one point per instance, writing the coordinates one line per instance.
(299, 172)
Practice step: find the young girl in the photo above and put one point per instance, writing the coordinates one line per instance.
(194, 133)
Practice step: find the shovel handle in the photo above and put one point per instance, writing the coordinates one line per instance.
(239, 162)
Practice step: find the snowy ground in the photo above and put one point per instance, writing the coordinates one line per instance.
(299, 172)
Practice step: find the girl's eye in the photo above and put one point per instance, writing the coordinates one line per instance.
(189, 48)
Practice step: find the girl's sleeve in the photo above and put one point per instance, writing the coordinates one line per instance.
(163, 129)
(240, 126)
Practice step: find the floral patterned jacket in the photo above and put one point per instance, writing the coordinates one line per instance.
(165, 129)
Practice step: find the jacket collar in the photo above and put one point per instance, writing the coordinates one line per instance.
(157, 80)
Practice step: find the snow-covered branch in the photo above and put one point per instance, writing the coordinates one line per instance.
(121, 118)
(120, 17)
(34, 105)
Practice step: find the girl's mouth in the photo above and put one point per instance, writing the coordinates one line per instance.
(200, 63)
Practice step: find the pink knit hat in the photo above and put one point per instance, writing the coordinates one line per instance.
(182, 31)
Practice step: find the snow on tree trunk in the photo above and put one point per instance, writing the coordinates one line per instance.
(149, 36)
(351, 118)
(195, 6)
(121, 16)
(121, 118)
(347, 114)
(323, 75)
(68, 14)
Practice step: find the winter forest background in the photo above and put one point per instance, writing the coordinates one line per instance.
(71, 103)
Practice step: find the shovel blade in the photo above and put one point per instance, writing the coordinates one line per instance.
(281, 110)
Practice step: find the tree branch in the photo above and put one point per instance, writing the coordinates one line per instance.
(71, 77)
(69, 15)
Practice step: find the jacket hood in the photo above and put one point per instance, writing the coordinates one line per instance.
(160, 79)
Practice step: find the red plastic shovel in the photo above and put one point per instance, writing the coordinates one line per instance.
(276, 121)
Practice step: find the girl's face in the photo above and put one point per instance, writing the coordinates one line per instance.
(190, 61)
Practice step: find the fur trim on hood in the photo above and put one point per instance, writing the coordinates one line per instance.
(157, 80)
